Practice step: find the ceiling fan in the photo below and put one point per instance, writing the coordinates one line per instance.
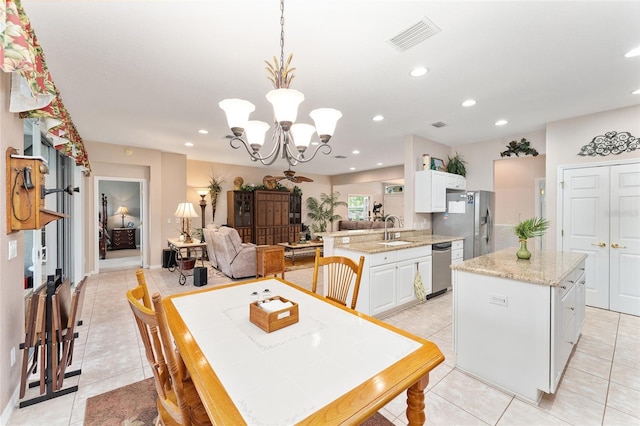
(291, 175)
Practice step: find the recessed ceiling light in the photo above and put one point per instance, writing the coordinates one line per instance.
(203, 131)
(419, 71)
(378, 117)
(188, 144)
(468, 103)
(315, 143)
(636, 92)
(378, 164)
(352, 168)
(632, 53)
(355, 151)
(501, 122)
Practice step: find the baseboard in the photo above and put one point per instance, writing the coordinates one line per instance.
(11, 406)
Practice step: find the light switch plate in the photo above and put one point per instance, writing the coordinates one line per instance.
(13, 249)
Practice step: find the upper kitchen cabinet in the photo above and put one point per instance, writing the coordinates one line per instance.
(431, 189)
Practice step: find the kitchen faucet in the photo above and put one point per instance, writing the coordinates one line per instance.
(386, 233)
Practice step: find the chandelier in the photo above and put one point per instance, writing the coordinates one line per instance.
(289, 138)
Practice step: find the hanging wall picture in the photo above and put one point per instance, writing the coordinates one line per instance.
(610, 143)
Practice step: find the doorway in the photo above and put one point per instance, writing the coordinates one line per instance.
(120, 206)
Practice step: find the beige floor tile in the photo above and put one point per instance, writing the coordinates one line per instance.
(590, 364)
(584, 384)
(602, 314)
(521, 413)
(463, 391)
(595, 347)
(626, 356)
(626, 376)
(613, 417)
(624, 399)
(440, 411)
(573, 408)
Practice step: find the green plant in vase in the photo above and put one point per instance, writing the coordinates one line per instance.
(456, 165)
(530, 228)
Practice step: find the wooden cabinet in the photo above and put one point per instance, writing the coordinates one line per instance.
(431, 190)
(123, 238)
(272, 219)
(269, 261)
(265, 217)
(240, 213)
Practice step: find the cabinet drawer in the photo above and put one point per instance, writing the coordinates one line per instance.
(382, 258)
(456, 255)
(457, 245)
(413, 253)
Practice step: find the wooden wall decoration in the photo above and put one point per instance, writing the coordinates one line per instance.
(610, 143)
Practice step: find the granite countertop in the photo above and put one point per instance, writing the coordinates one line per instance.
(544, 267)
(375, 246)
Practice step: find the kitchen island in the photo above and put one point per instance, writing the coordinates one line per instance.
(516, 322)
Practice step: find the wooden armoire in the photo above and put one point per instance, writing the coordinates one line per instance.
(264, 216)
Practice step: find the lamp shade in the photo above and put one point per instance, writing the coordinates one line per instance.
(185, 210)
(202, 191)
(255, 132)
(325, 120)
(237, 111)
(122, 211)
(302, 134)
(285, 104)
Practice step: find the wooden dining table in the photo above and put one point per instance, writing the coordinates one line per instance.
(333, 366)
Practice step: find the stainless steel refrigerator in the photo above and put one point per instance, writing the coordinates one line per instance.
(470, 215)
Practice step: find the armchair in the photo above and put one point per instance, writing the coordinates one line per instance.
(235, 258)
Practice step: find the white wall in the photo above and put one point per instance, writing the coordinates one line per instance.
(566, 137)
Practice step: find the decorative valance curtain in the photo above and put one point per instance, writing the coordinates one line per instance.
(33, 93)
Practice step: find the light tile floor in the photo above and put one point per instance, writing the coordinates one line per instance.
(601, 385)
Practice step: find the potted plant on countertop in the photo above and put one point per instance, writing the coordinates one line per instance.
(530, 228)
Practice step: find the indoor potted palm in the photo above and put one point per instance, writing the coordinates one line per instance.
(530, 228)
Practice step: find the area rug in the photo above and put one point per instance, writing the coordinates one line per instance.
(131, 405)
(135, 405)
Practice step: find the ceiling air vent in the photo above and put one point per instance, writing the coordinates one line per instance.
(438, 124)
(415, 34)
(340, 156)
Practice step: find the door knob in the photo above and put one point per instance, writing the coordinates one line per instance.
(615, 245)
(599, 244)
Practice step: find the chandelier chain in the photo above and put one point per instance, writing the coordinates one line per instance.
(281, 38)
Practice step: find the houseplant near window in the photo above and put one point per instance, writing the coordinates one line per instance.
(323, 210)
(530, 228)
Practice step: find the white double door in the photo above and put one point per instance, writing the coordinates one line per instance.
(601, 218)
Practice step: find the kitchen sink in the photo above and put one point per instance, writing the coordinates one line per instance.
(395, 243)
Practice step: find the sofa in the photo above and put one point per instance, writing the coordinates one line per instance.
(350, 225)
(234, 258)
(207, 234)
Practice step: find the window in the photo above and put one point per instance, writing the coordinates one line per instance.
(358, 207)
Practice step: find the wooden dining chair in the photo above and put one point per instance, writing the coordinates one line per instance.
(142, 281)
(341, 272)
(178, 401)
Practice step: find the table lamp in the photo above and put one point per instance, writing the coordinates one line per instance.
(185, 211)
(122, 211)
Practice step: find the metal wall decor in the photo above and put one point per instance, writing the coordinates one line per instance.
(610, 143)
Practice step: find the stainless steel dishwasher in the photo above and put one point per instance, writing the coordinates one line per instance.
(441, 276)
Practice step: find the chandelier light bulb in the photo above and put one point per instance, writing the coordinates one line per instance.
(237, 112)
(302, 135)
(325, 120)
(285, 106)
(255, 132)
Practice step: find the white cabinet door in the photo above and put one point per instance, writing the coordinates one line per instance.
(430, 191)
(425, 266)
(383, 288)
(456, 182)
(406, 275)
